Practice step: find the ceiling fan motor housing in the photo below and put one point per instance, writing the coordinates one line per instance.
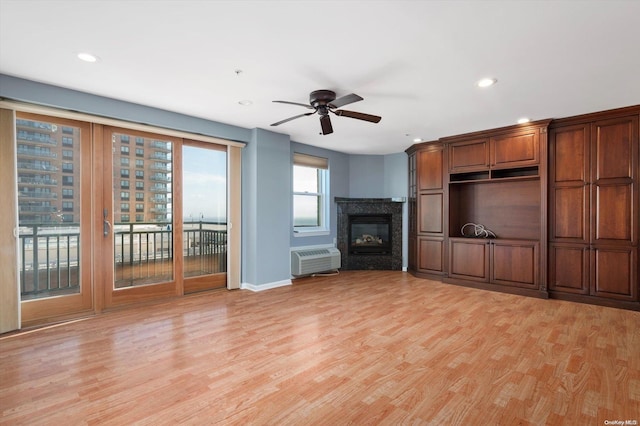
(321, 97)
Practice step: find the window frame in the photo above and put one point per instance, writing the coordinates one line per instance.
(322, 169)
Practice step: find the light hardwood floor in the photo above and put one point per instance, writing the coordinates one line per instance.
(375, 347)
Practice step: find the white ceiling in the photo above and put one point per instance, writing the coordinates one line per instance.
(414, 62)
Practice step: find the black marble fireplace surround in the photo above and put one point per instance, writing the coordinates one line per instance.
(372, 210)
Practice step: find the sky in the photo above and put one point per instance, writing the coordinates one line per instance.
(205, 184)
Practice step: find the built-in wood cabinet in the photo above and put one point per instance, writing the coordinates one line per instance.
(497, 179)
(562, 197)
(426, 215)
(593, 207)
(513, 263)
(514, 148)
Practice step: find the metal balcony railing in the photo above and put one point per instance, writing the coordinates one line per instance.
(51, 254)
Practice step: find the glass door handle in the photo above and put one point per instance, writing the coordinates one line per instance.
(106, 226)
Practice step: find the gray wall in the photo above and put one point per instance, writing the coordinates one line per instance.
(267, 173)
(266, 196)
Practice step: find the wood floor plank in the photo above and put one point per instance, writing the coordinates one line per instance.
(363, 347)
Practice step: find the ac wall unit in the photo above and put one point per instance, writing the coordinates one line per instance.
(310, 261)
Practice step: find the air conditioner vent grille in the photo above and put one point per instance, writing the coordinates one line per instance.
(306, 253)
(309, 261)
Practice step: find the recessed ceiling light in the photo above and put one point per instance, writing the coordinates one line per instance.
(245, 102)
(417, 140)
(486, 82)
(87, 57)
(523, 120)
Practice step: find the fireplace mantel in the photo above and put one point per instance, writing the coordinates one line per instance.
(370, 206)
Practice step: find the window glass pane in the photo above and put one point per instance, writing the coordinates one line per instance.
(204, 210)
(48, 208)
(144, 241)
(305, 179)
(306, 210)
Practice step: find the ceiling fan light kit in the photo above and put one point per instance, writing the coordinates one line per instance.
(323, 102)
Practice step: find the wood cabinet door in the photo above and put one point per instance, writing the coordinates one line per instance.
(569, 155)
(515, 263)
(569, 214)
(431, 255)
(515, 149)
(569, 268)
(413, 253)
(569, 197)
(614, 169)
(430, 210)
(469, 156)
(614, 272)
(469, 259)
(430, 169)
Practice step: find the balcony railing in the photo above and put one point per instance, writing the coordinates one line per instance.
(51, 254)
(49, 260)
(36, 181)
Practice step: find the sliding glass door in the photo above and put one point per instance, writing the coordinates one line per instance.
(204, 206)
(54, 216)
(110, 216)
(139, 221)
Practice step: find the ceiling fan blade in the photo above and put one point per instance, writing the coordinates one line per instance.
(358, 115)
(345, 100)
(325, 122)
(295, 103)
(292, 118)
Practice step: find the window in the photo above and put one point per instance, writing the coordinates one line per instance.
(139, 185)
(139, 152)
(139, 207)
(139, 141)
(66, 141)
(67, 180)
(124, 150)
(310, 194)
(124, 139)
(124, 173)
(139, 218)
(67, 167)
(124, 207)
(124, 195)
(67, 193)
(67, 130)
(124, 184)
(139, 174)
(124, 161)
(124, 218)
(139, 196)
(67, 206)
(139, 163)
(67, 153)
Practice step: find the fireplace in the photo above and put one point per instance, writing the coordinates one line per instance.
(370, 234)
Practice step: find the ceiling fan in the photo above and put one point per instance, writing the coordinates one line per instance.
(324, 102)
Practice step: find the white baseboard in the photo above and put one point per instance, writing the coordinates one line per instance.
(266, 286)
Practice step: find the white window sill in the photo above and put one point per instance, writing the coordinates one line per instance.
(310, 232)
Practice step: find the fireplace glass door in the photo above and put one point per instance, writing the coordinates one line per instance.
(370, 234)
